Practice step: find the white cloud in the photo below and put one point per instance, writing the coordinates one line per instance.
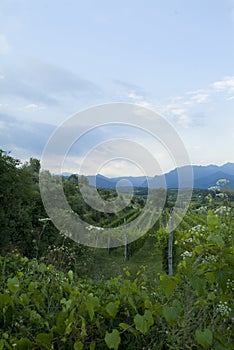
(132, 95)
(4, 46)
(226, 84)
(200, 97)
(197, 96)
(33, 106)
(178, 111)
(184, 120)
(138, 99)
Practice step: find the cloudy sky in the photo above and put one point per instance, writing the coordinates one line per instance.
(58, 58)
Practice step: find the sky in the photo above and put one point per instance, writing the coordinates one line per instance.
(175, 58)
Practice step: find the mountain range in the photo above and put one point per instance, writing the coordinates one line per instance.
(203, 178)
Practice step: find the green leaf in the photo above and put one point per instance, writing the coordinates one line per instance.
(124, 326)
(168, 284)
(5, 300)
(170, 314)
(129, 328)
(69, 321)
(143, 323)
(83, 328)
(210, 276)
(216, 240)
(32, 286)
(113, 339)
(112, 308)
(44, 340)
(92, 345)
(204, 338)
(221, 347)
(198, 283)
(211, 296)
(2, 344)
(177, 307)
(221, 277)
(42, 267)
(70, 275)
(13, 284)
(212, 221)
(198, 249)
(24, 344)
(131, 302)
(92, 304)
(230, 259)
(78, 345)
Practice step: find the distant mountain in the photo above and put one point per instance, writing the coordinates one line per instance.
(203, 178)
(101, 181)
(228, 168)
(136, 181)
(208, 181)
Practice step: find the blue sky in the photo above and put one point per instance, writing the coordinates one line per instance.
(174, 57)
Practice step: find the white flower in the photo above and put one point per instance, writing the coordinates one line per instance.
(223, 309)
(230, 284)
(91, 227)
(186, 254)
(223, 210)
(209, 259)
(202, 209)
(221, 195)
(214, 188)
(222, 182)
(198, 229)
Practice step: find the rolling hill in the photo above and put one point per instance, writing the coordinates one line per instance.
(203, 178)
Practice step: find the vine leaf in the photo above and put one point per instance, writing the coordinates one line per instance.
(143, 323)
(13, 284)
(112, 308)
(204, 338)
(113, 339)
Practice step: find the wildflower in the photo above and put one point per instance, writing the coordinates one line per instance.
(209, 259)
(223, 210)
(214, 188)
(220, 195)
(186, 254)
(223, 309)
(222, 182)
(202, 209)
(230, 284)
(198, 229)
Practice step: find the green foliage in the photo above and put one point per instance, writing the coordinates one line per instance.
(46, 307)
(113, 339)
(168, 284)
(204, 338)
(144, 322)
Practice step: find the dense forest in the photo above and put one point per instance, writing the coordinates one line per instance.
(58, 294)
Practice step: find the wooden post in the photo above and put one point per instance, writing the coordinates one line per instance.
(170, 244)
(108, 241)
(125, 242)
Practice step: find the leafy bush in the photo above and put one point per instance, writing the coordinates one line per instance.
(44, 308)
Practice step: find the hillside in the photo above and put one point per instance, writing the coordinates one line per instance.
(203, 178)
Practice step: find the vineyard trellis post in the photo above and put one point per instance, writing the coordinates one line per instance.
(125, 241)
(170, 244)
(108, 241)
